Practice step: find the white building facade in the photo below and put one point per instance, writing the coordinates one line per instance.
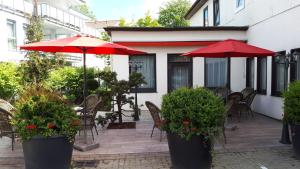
(59, 21)
(270, 24)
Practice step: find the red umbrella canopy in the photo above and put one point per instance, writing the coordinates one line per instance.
(230, 48)
(80, 44)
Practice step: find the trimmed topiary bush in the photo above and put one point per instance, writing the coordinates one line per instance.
(292, 103)
(193, 112)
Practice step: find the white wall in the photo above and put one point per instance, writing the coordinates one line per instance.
(121, 66)
(273, 24)
(6, 54)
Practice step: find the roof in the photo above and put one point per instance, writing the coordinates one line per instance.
(195, 7)
(192, 28)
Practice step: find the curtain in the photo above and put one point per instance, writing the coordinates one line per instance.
(216, 72)
(280, 74)
(179, 77)
(146, 67)
(251, 71)
(263, 74)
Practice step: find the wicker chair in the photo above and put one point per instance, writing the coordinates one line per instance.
(247, 91)
(228, 109)
(155, 111)
(6, 129)
(246, 103)
(235, 98)
(90, 118)
(91, 101)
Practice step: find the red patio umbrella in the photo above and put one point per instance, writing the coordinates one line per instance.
(229, 48)
(81, 44)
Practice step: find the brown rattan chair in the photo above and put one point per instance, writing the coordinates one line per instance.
(91, 101)
(245, 104)
(90, 118)
(235, 98)
(6, 129)
(247, 91)
(155, 113)
(228, 109)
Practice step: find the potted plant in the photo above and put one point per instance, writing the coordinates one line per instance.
(292, 113)
(192, 118)
(47, 127)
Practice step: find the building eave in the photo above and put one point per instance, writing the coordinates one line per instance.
(195, 7)
(163, 29)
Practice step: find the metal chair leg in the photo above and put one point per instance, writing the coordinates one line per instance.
(160, 135)
(96, 130)
(79, 132)
(224, 135)
(12, 141)
(152, 131)
(92, 133)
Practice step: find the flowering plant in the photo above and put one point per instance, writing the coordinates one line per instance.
(193, 112)
(41, 112)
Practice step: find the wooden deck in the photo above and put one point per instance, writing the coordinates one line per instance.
(251, 133)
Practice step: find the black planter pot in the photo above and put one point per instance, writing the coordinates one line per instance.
(191, 154)
(295, 129)
(47, 153)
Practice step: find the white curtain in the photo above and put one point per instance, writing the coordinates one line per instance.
(263, 74)
(180, 77)
(280, 74)
(216, 72)
(146, 67)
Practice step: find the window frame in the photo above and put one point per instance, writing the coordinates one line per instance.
(205, 17)
(248, 73)
(145, 90)
(189, 63)
(239, 8)
(294, 67)
(228, 85)
(259, 90)
(14, 23)
(216, 3)
(274, 90)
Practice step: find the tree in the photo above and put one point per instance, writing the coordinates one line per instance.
(147, 21)
(38, 65)
(85, 10)
(172, 14)
(9, 80)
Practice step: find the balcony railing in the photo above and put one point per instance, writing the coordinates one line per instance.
(17, 6)
(46, 11)
(58, 16)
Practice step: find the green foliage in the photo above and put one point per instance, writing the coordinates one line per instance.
(172, 14)
(191, 112)
(9, 80)
(119, 88)
(85, 10)
(136, 79)
(41, 112)
(147, 21)
(69, 81)
(34, 31)
(122, 22)
(292, 103)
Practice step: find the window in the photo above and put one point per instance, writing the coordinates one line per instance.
(145, 64)
(216, 13)
(295, 65)
(240, 4)
(250, 72)
(205, 16)
(217, 72)
(25, 27)
(180, 72)
(279, 76)
(262, 75)
(11, 35)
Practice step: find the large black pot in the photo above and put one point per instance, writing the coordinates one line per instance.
(189, 154)
(295, 128)
(47, 153)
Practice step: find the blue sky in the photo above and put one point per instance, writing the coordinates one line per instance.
(128, 9)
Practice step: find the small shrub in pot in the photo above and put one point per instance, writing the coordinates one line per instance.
(47, 127)
(193, 117)
(292, 113)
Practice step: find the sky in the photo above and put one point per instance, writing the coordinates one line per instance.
(128, 9)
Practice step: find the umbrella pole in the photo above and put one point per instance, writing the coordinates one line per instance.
(84, 94)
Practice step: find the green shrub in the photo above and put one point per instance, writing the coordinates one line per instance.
(41, 112)
(69, 81)
(9, 80)
(292, 103)
(193, 112)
